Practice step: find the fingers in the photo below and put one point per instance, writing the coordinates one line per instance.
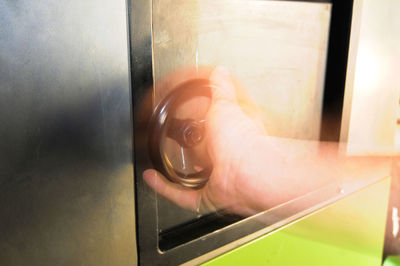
(224, 88)
(184, 197)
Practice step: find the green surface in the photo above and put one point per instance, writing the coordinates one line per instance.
(392, 261)
(347, 232)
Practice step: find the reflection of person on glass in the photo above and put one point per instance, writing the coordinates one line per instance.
(252, 171)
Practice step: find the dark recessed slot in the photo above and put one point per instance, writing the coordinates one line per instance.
(195, 228)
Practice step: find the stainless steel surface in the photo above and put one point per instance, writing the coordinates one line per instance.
(65, 134)
(279, 61)
(275, 49)
(149, 43)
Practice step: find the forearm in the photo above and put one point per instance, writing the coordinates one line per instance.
(278, 169)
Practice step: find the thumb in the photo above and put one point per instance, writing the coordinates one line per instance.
(223, 88)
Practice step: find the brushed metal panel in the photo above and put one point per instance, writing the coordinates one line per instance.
(65, 134)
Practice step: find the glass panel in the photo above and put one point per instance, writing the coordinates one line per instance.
(275, 50)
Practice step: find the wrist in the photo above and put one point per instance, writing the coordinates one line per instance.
(276, 170)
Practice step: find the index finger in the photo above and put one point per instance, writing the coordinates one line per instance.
(184, 197)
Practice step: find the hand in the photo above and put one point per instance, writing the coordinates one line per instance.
(252, 171)
(231, 136)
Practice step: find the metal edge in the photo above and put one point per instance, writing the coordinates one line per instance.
(283, 224)
(141, 59)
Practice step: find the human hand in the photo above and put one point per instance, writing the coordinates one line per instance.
(232, 134)
(253, 171)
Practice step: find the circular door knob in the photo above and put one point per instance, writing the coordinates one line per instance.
(187, 134)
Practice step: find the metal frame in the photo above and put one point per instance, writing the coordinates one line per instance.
(140, 20)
